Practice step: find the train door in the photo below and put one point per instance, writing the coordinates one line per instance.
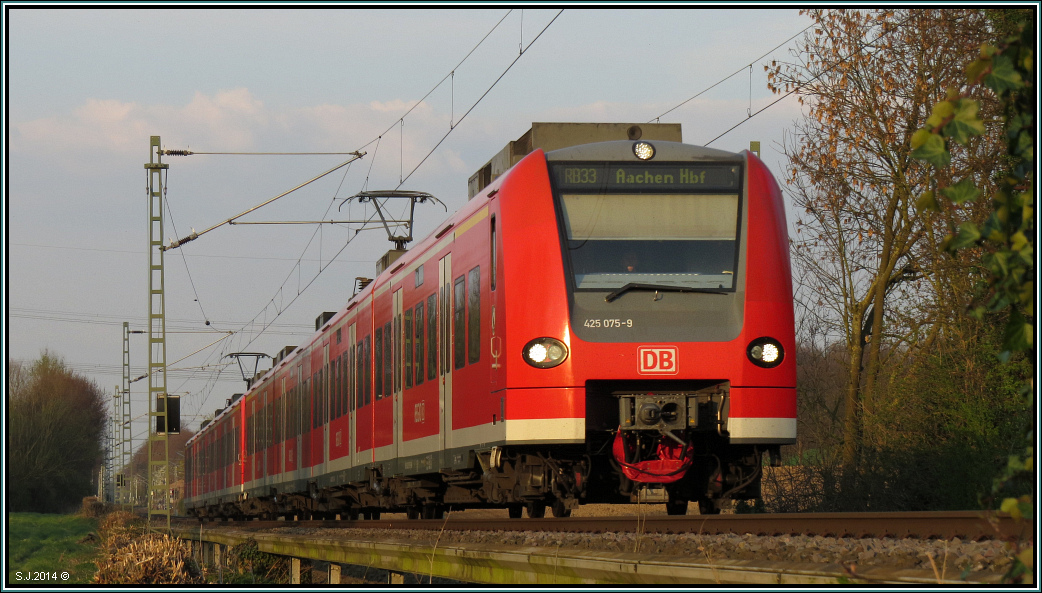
(326, 416)
(280, 428)
(251, 445)
(241, 452)
(264, 437)
(396, 355)
(445, 350)
(496, 341)
(355, 388)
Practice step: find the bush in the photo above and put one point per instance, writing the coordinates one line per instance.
(93, 508)
(56, 425)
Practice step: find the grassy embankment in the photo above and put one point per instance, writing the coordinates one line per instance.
(44, 547)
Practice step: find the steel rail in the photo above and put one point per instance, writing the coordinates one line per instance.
(526, 565)
(966, 525)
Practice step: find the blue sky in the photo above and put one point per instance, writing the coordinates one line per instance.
(86, 88)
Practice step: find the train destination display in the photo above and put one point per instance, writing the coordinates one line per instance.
(635, 176)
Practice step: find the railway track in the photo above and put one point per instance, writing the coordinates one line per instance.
(965, 525)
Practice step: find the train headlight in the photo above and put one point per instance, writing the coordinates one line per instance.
(643, 151)
(765, 352)
(545, 353)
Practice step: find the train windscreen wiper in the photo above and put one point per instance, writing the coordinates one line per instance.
(657, 287)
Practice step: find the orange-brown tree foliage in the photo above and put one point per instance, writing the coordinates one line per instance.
(870, 275)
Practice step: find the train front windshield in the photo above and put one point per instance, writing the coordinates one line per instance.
(671, 232)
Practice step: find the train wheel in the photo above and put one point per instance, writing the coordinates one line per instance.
(412, 513)
(706, 507)
(536, 509)
(559, 509)
(676, 507)
(350, 515)
(374, 515)
(514, 511)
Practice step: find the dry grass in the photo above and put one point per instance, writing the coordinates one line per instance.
(93, 508)
(130, 556)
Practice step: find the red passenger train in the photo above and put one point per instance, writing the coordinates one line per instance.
(604, 323)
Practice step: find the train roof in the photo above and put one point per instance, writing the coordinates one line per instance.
(619, 149)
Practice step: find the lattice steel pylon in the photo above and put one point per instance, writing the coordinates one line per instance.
(112, 479)
(126, 440)
(158, 445)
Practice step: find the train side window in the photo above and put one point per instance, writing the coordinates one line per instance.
(459, 357)
(345, 383)
(298, 396)
(276, 416)
(311, 404)
(292, 407)
(492, 247)
(432, 336)
(292, 410)
(367, 369)
(407, 348)
(349, 376)
(474, 315)
(378, 342)
(284, 426)
(419, 343)
(335, 389)
(303, 408)
(388, 360)
(358, 356)
(316, 399)
(249, 433)
(303, 394)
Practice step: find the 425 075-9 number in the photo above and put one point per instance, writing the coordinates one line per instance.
(608, 323)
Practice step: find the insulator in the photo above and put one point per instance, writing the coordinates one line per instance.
(177, 152)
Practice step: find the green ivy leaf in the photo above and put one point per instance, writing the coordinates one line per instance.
(1019, 241)
(962, 191)
(1004, 76)
(927, 201)
(1018, 334)
(965, 122)
(968, 235)
(977, 69)
(920, 137)
(934, 152)
(941, 111)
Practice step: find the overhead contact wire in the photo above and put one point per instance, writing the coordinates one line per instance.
(732, 75)
(828, 69)
(483, 95)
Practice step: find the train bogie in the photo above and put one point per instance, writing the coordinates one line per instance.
(604, 323)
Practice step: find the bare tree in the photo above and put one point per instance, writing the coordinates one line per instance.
(870, 263)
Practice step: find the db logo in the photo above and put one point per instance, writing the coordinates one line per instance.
(658, 360)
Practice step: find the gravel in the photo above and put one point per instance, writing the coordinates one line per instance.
(948, 559)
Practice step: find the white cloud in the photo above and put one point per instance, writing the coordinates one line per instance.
(235, 120)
